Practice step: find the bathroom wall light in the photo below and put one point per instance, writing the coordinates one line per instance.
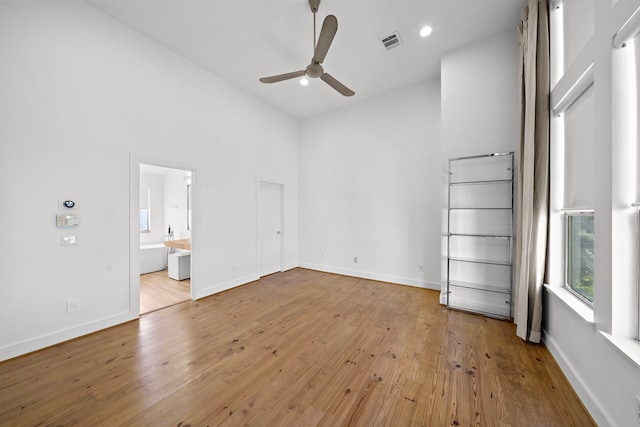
(425, 31)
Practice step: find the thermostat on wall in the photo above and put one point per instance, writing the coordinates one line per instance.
(67, 204)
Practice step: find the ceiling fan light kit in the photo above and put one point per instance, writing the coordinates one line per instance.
(320, 49)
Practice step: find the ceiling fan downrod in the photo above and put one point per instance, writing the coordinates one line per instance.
(314, 5)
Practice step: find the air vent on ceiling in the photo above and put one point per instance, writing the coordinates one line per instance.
(391, 41)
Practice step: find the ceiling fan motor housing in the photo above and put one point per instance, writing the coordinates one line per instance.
(314, 4)
(314, 70)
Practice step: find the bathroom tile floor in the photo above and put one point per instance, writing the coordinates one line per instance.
(158, 291)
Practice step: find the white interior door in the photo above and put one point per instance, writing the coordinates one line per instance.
(269, 228)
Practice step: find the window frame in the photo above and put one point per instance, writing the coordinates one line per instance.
(568, 214)
(637, 332)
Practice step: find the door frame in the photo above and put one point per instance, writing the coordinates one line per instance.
(280, 184)
(135, 159)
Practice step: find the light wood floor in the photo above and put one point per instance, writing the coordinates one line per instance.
(158, 290)
(300, 348)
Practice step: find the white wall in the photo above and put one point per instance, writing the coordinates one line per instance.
(370, 188)
(479, 106)
(80, 93)
(373, 176)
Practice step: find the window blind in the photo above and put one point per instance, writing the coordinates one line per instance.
(579, 146)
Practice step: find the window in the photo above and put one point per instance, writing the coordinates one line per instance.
(188, 206)
(578, 177)
(145, 214)
(579, 154)
(626, 104)
(579, 256)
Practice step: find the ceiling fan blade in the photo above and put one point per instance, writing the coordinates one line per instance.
(337, 85)
(328, 32)
(281, 77)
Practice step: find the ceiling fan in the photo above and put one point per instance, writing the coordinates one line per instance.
(320, 49)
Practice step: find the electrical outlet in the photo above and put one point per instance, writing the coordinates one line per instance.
(420, 267)
(355, 259)
(73, 305)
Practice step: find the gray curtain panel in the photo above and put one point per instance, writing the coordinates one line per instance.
(533, 172)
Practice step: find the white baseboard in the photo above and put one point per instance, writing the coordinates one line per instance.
(220, 287)
(226, 285)
(38, 343)
(290, 266)
(372, 276)
(596, 411)
(443, 297)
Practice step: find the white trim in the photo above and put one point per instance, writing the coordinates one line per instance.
(230, 284)
(628, 31)
(260, 180)
(373, 276)
(579, 211)
(575, 91)
(38, 343)
(135, 160)
(553, 4)
(134, 236)
(582, 310)
(588, 399)
(627, 346)
(215, 289)
(290, 266)
(443, 297)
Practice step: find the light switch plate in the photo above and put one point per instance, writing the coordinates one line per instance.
(68, 240)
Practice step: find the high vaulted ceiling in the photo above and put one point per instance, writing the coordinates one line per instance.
(243, 40)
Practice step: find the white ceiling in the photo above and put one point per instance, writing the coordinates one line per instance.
(243, 40)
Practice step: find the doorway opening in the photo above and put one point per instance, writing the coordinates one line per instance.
(165, 232)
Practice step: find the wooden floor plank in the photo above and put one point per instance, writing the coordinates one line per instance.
(300, 348)
(158, 290)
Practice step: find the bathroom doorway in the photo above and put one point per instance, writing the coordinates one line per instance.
(162, 231)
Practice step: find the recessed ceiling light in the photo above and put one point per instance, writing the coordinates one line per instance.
(304, 82)
(425, 31)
